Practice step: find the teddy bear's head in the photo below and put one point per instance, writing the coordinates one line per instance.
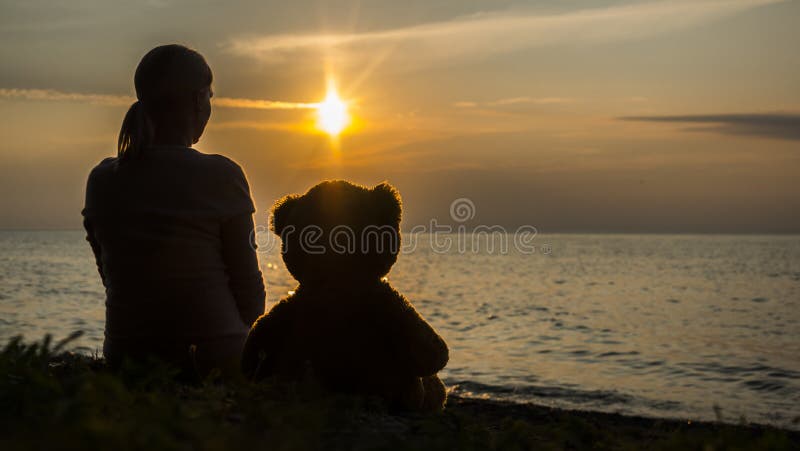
(339, 232)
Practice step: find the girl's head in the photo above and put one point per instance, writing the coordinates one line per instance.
(173, 92)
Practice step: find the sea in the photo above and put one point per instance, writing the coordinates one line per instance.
(691, 327)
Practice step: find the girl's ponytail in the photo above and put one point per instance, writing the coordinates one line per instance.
(135, 134)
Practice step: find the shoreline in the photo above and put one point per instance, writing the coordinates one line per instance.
(643, 428)
(523, 406)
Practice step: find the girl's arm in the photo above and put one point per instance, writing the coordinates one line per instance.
(241, 263)
(238, 243)
(98, 259)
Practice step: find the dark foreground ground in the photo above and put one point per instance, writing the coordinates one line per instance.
(55, 400)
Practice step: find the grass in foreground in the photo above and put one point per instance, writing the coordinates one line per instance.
(51, 399)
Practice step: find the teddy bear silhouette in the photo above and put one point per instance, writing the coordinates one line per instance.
(345, 325)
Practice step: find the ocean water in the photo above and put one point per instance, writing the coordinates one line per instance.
(683, 326)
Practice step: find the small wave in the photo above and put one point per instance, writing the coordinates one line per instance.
(610, 342)
(787, 374)
(522, 393)
(615, 354)
(740, 370)
(765, 385)
(608, 400)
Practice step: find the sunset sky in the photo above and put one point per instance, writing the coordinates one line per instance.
(569, 115)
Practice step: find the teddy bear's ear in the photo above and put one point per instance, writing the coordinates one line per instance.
(387, 203)
(280, 213)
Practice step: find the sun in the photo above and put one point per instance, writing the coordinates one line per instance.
(332, 116)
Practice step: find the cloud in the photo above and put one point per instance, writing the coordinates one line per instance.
(60, 96)
(484, 34)
(52, 95)
(768, 125)
(531, 100)
(256, 104)
(515, 105)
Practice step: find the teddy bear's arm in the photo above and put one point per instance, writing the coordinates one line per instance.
(266, 340)
(416, 344)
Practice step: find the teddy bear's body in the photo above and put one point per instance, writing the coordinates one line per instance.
(347, 328)
(367, 340)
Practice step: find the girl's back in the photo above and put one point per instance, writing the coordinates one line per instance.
(158, 224)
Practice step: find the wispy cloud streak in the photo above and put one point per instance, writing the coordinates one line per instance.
(536, 101)
(256, 104)
(489, 33)
(52, 95)
(512, 101)
(60, 96)
(769, 125)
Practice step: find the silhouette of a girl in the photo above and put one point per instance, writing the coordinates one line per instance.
(172, 228)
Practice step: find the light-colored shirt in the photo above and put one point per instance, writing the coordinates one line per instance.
(172, 233)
